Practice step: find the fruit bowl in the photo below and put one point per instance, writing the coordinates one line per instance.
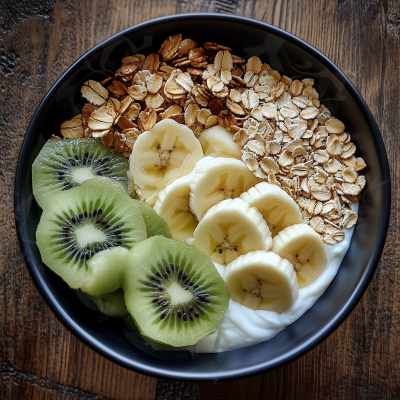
(294, 58)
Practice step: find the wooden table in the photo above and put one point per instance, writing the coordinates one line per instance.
(39, 358)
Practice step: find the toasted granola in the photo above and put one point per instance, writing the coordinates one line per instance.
(288, 137)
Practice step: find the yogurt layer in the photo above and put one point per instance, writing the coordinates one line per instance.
(243, 327)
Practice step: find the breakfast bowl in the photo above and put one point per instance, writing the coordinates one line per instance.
(291, 57)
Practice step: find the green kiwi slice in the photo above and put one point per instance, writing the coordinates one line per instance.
(78, 223)
(115, 259)
(64, 164)
(111, 304)
(173, 292)
(155, 224)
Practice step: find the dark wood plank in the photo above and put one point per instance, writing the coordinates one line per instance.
(39, 358)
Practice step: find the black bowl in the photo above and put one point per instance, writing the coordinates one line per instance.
(294, 58)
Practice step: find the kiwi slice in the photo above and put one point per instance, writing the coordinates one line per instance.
(78, 223)
(173, 292)
(155, 224)
(63, 164)
(116, 260)
(107, 271)
(111, 304)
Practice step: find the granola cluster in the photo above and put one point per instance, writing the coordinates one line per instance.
(288, 137)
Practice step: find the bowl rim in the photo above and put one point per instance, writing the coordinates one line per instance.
(299, 351)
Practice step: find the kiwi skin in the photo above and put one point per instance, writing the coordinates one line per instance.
(163, 313)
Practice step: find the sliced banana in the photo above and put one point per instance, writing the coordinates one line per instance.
(217, 180)
(303, 247)
(218, 142)
(164, 153)
(262, 281)
(173, 206)
(230, 229)
(277, 207)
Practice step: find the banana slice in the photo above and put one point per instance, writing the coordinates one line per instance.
(173, 206)
(164, 153)
(230, 229)
(303, 247)
(218, 179)
(218, 142)
(277, 207)
(262, 281)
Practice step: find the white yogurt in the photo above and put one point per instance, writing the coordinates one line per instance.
(242, 326)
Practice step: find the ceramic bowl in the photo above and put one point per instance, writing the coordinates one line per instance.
(290, 56)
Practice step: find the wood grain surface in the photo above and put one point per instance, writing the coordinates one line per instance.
(39, 358)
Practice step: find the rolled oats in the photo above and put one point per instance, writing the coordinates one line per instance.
(152, 63)
(288, 137)
(269, 165)
(309, 112)
(333, 125)
(321, 192)
(250, 99)
(285, 159)
(235, 107)
(333, 166)
(361, 181)
(100, 121)
(211, 121)
(310, 92)
(348, 150)
(117, 88)
(173, 110)
(350, 188)
(169, 49)
(94, 93)
(126, 123)
(269, 110)
(360, 164)
(185, 46)
(108, 140)
(131, 136)
(251, 163)
(203, 115)
(191, 114)
(226, 119)
(254, 65)
(72, 129)
(198, 57)
(300, 169)
(154, 83)
(333, 145)
(148, 118)
(257, 147)
(317, 223)
(349, 175)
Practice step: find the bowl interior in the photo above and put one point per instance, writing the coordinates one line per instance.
(290, 57)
